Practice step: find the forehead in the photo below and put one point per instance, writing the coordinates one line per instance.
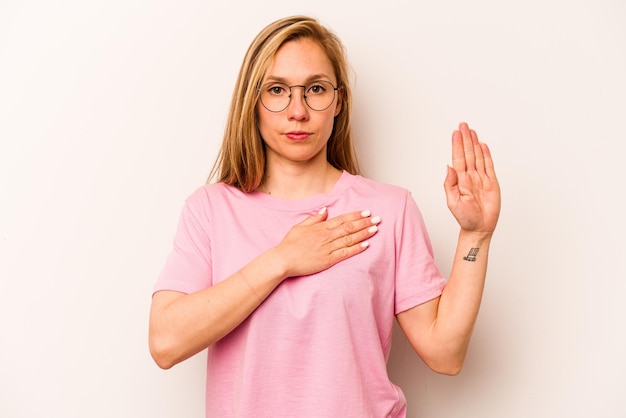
(299, 60)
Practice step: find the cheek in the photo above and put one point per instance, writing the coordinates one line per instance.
(330, 122)
(264, 121)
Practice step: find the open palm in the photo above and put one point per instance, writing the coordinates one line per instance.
(472, 189)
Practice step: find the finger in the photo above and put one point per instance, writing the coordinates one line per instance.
(355, 238)
(351, 231)
(352, 244)
(347, 218)
(458, 156)
(318, 217)
(468, 146)
(345, 230)
(489, 168)
(347, 252)
(451, 180)
(478, 151)
(450, 185)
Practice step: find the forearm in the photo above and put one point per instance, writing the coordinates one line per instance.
(460, 301)
(182, 325)
(440, 329)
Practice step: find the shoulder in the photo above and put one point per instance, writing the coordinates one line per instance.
(213, 194)
(381, 189)
(215, 190)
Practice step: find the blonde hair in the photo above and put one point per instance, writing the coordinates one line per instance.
(241, 159)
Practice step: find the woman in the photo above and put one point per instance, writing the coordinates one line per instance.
(291, 268)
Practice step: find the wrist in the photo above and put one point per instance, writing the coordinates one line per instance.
(276, 264)
(475, 237)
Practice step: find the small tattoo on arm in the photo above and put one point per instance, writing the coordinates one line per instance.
(471, 256)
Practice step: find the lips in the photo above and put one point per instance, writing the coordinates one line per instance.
(297, 135)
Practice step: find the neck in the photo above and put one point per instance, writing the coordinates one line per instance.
(295, 183)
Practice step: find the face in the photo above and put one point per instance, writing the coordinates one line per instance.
(298, 134)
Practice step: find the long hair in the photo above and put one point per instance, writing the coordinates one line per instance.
(241, 159)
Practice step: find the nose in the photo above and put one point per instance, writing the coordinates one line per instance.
(297, 109)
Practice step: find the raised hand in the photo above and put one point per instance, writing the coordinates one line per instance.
(317, 243)
(472, 189)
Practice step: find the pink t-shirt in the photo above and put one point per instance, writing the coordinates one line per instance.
(318, 345)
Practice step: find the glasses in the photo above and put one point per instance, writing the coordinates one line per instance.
(318, 95)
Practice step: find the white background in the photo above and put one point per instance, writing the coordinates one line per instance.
(111, 114)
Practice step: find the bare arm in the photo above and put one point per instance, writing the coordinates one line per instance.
(182, 325)
(440, 330)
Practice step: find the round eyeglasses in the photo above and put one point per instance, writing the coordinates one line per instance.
(318, 95)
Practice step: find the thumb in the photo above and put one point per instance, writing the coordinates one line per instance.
(318, 217)
(450, 184)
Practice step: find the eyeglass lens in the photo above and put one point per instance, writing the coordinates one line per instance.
(318, 95)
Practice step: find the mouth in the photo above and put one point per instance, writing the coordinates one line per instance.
(297, 135)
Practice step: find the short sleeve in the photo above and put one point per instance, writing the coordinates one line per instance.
(418, 279)
(188, 266)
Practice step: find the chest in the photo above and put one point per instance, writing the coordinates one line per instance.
(360, 283)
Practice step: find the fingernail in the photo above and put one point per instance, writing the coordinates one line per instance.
(375, 220)
(322, 211)
(365, 244)
(372, 229)
(365, 213)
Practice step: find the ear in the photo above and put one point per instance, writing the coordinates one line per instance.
(339, 101)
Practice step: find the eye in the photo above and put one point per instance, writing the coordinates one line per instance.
(277, 89)
(316, 88)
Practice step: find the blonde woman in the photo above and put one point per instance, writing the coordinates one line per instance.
(291, 267)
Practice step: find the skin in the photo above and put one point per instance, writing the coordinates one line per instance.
(440, 330)
(181, 325)
(296, 138)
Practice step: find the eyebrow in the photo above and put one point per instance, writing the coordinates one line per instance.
(314, 77)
